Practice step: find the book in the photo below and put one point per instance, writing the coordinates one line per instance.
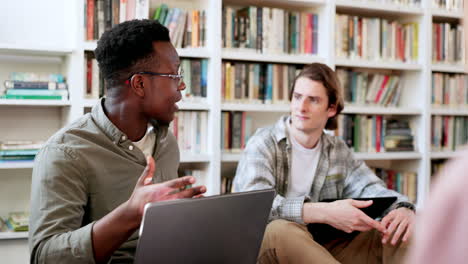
(32, 97)
(18, 221)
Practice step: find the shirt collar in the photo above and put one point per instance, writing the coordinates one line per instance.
(281, 132)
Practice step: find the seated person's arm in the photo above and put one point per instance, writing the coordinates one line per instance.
(257, 170)
(59, 197)
(58, 200)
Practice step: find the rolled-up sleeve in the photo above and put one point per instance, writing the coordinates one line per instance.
(59, 195)
(256, 171)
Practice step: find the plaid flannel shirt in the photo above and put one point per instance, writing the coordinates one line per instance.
(266, 163)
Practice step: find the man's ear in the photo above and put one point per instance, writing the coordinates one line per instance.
(137, 86)
(331, 110)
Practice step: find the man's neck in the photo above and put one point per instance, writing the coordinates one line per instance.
(126, 117)
(307, 140)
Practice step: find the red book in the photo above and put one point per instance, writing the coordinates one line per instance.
(90, 20)
(89, 76)
(382, 88)
(378, 132)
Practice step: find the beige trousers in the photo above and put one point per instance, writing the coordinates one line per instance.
(289, 242)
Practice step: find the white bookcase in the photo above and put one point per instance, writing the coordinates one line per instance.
(50, 38)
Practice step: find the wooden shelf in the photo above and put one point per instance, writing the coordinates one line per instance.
(235, 157)
(293, 3)
(443, 154)
(201, 53)
(251, 55)
(16, 164)
(34, 49)
(193, 106)
(445, 13)
(388, 156)
(27, 102)
(230, 157)
(359, 63)
(462, 111)
(13, 235)
(187, 157)
(379, 7)
(379, 110)
(278, 108)
(450, 68)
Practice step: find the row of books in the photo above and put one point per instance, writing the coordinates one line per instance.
(376, 39)
(190, 129)
(375, 133)
(195, 74)
(227, 185)
(364, 88)
(449, 90)
(104, 14)
(449, 132)
(187, 28)
(270, 30)
(236, 129)
(19, 150)
(15, 222)
(448, 4)
(95, 85)
(257, 82)
(404, 182)
(27, 85)
(447, 43)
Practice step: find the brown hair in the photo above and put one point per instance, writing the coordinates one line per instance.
(322, 73)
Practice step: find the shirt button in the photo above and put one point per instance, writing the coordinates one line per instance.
(124, 138)
(130, 147)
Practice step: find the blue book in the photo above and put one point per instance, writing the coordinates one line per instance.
(204, 73)
(269, 84)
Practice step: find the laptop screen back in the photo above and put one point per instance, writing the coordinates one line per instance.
(216, 229)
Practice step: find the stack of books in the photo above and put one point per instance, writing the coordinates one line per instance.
(19, 150)
(23, 85)
(375, 133)
(398, 136)
(18, 221)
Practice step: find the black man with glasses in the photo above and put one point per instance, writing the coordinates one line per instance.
(92, 178)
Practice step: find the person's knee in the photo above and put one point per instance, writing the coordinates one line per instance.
(281, 228)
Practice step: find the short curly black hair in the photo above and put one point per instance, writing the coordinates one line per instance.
(127, 47)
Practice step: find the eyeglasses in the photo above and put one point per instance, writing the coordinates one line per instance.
(179, 76)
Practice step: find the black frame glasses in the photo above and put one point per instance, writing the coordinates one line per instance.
(179, 76)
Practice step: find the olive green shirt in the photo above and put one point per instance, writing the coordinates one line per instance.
(82, 173)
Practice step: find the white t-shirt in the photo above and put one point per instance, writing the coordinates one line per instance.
(146, 143)
(304, 163)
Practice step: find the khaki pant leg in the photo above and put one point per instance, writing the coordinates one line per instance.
(289, 242)
(367, 248)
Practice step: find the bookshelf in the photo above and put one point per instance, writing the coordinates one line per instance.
(39, 49)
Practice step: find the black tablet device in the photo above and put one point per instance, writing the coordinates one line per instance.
(324, 233)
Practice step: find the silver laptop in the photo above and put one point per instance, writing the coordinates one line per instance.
(215, 229)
